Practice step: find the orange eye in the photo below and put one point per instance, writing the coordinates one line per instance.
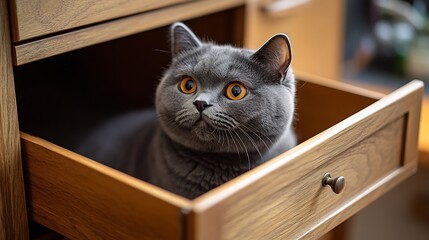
(187, 85)
(236, 91)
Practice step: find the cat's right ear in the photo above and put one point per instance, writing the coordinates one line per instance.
(275, 54)
(182, 38)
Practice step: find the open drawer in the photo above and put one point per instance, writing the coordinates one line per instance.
(368, 139)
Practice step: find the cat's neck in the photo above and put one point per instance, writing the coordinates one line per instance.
(237, 160)
(194, 172)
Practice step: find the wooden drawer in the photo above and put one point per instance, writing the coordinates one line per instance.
(34, 18)
(369, 139)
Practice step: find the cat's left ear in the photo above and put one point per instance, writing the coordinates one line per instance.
(182, 38)
(275, 54)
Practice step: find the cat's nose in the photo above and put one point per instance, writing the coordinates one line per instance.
(201, 105)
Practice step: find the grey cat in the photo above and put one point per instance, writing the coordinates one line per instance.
(220, 111)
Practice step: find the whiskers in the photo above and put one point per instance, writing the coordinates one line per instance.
(224, 134)
(229, 133)
(242, 136)
(245, 149)
(248, 127)
(184, 118)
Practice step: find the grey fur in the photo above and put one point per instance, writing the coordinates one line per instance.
(188, 152)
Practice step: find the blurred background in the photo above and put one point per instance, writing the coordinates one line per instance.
(386, 41)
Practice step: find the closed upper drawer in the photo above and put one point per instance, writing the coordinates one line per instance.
(37, 18)
(34, 18)
(368, 139)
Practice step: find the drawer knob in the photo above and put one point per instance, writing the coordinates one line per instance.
(337, 184)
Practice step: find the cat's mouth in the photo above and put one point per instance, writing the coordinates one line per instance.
(203, 129)
(204, 119)
(207, 127)
(202, 123)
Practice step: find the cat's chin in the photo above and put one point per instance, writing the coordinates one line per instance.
(203, 131)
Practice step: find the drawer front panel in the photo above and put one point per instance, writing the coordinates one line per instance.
(33, 18)
(294, 209)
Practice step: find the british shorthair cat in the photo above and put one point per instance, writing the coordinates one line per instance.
(219, 112)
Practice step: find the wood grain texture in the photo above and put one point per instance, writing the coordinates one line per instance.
(34, 18)
(43, 48)
(83, 199)
(351, 138)
(315, 29)
(424, 121)
(13, 212)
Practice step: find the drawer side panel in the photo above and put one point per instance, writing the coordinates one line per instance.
(82, 199)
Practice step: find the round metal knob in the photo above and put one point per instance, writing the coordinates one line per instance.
(337, 184)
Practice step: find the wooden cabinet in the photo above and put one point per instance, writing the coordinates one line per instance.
(367, 138)
(13, 215)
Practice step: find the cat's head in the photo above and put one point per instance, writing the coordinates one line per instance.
(224, 99)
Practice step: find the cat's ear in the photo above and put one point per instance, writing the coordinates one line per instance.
(182, 38)
(275, 54)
